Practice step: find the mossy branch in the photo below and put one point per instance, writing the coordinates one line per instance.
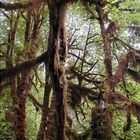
(5, 73)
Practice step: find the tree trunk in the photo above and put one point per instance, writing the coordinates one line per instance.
(51, 120)
(22, 93)
(57, 52)
(101, 117)
(43, 125)
(9, 64)
(24, 81)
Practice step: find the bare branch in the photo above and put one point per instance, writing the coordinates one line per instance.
(80, 58)
(127, 46)
(34, 100)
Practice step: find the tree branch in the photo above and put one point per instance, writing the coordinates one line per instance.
(5, 73)
(80, 58)
(34, 100)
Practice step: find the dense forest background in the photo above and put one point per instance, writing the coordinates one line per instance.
(69, 69)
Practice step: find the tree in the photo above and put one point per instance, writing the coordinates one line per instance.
(82, 71)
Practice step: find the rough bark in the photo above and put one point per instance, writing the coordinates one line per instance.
(9, 64)
(43, 125)
(22, 93)
(51, 120)
(106, 48)
(101, 118)
(57, 52)
(23, 89)
(25, 83)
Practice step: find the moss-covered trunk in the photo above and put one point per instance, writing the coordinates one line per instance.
(10, 64)
(24, 85)
(102, 118)
(22, 93)
(57, 52)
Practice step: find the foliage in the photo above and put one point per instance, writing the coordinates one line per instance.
(85, 65)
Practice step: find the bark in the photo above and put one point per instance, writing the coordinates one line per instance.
(107, 50)
(101, 117)
(25, 83)
(51, 120)
(57, 53)
(9, 64)
(22, 93)
(43, 124)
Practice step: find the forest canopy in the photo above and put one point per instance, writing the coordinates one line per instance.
(69, 70)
